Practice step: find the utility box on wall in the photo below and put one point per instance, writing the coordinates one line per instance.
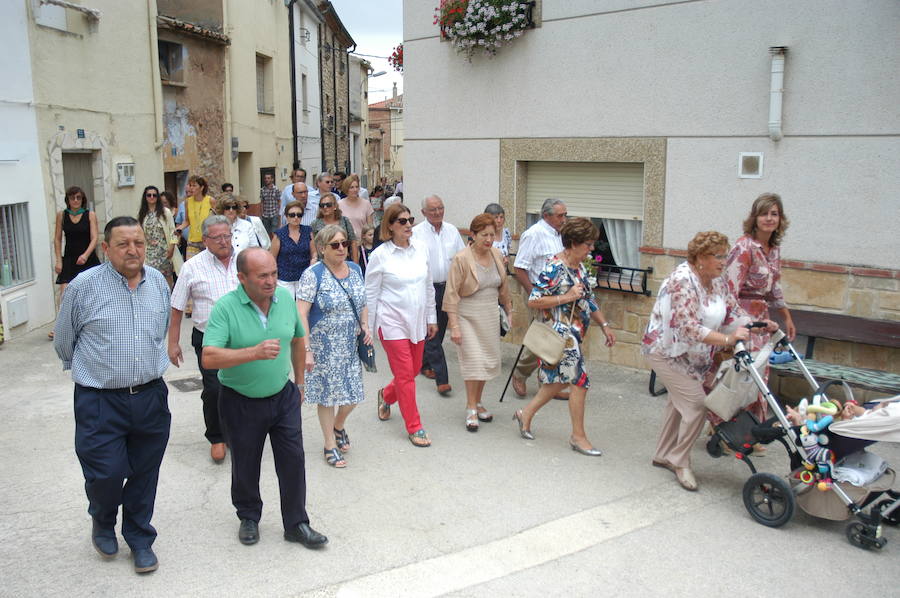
(125, 171)
(17, 311)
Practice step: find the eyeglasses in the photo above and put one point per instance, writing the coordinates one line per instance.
(336, 244)
(295, 215)
(226, 208)
(721, 257)
(152, 195)
(220, 238)
(403, 221)
(327, 204)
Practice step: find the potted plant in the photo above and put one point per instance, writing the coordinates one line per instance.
(474, 26)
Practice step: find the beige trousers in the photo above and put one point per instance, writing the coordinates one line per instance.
(684, 415)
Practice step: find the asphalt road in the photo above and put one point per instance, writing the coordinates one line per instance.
(485, 514)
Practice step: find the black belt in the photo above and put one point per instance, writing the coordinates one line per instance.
(440, 284)
(132, 390)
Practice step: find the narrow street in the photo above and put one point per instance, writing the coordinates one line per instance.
(475, 514)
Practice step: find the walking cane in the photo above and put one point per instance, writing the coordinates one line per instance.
(503, 394)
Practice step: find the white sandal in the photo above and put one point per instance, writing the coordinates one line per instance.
(472, 420)
(485, 416)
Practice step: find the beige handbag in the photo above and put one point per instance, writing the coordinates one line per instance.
(544, 341)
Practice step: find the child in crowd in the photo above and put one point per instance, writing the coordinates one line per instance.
(366, 245)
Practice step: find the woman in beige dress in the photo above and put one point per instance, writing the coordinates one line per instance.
(476, 281)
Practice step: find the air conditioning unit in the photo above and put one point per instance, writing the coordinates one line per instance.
(125, 171)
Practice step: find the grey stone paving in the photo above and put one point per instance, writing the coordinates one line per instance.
(483, 514)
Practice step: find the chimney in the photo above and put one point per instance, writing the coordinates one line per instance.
(395, 90)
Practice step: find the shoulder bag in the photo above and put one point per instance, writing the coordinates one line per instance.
(365, 351)
(544, 341)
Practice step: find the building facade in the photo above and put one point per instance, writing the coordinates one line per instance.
(673, 125)
(307, 21)
(335, 44)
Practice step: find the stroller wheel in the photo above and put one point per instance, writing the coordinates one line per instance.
(714, 446)
(863, 536)
(768, 499)
(892, 519)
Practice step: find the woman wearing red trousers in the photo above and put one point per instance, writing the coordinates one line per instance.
(400, 297)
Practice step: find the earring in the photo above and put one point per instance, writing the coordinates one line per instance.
(700, 267)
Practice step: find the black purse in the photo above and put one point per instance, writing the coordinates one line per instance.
(366, 352)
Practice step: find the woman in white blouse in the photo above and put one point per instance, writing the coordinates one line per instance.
(243, 234)
(400, 296)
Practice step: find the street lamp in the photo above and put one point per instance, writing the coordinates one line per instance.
(378, 74)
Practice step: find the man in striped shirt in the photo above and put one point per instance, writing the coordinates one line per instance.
(110, 332)
(204, 279)
(540, 242)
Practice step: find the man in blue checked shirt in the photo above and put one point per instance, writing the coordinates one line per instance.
(111, 332)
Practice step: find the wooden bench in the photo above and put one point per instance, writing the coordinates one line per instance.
(815, 325)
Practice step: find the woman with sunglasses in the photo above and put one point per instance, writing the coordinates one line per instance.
(330, 213)
(400, 295)
(159, 230)
(332, 304)
(242, 233)
(293, 248)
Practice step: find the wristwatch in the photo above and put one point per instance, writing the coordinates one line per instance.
(604, 324)
(301, 385)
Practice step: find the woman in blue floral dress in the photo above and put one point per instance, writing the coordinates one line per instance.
(329, 294)
(561, 287)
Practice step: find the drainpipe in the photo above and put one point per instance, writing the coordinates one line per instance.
(347, 79)
(290, 7)
(334, 105)
(321, 102)
(776, 91)
(155, 81)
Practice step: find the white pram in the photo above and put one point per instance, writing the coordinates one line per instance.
(812, 483)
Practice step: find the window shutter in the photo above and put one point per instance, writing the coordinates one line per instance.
(590, 189)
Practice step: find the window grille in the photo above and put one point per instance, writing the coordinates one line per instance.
(16, 262)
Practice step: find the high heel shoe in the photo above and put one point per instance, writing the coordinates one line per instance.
(590, 452)
(484, 416)
(523, 431)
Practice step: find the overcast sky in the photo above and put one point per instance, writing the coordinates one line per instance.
(377, 28)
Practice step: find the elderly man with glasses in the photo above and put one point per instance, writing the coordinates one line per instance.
(204, 279)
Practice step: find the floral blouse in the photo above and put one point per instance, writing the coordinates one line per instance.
(503, 243)
(684, 314)
(556, 279)
(753, 274)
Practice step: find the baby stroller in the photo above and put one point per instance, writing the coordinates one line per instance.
(771, 499)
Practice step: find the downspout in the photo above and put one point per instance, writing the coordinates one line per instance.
(334, 105)
(290, 7)
(776, 91)
(229, 154)
(155, 79)
(347, 78)
(321, 103)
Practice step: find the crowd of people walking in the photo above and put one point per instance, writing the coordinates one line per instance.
(284, 294)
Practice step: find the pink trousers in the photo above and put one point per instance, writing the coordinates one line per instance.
(405, 359)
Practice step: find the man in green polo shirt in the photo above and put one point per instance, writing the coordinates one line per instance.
(254, 338)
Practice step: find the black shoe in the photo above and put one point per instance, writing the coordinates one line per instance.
(249, 532)
(104, 544)
(305, 535)
(144, 560)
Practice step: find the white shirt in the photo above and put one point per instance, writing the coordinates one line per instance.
(399, 291)
(262, 235)
(536, 244)
(442, 246)
(243, 235)
(203, 279)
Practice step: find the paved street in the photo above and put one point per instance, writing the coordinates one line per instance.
(484, 514)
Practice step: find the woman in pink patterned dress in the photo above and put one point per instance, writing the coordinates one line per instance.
(753, 273)
(694, 314)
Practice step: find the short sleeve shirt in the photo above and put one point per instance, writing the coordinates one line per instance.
(235, 323)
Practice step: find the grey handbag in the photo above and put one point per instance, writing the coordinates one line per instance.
(543, 340)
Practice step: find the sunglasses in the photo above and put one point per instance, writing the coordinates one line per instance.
(327, 204)
(295, 215)
(226, 208)
(403, 221)
(152, 195)
(337, 244)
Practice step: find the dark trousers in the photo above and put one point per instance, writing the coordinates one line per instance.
(120, 439)
(247, 422)
(434, 358)
(210, 393)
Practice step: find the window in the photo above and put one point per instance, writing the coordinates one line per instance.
(171, 62)
(264, 93)
(611, 194)
(16, 264)
(304, 93)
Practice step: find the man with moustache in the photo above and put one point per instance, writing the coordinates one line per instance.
(111, 333)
